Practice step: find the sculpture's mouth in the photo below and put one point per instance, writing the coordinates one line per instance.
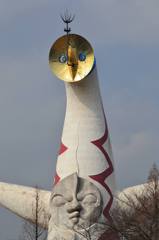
(74, 217)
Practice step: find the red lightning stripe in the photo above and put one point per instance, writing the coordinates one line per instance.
(56, 179)
(63, 149)
(101, 177)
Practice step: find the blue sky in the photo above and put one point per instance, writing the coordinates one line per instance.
(125, 37)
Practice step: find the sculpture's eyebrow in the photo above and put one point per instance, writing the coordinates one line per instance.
(83, 193)
(56, 195)
(68, 197)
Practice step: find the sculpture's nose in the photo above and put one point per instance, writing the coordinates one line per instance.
(73, 210)
(73, 206)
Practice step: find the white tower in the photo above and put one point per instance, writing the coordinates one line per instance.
(85, 162)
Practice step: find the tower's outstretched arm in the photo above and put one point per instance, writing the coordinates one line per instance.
(21, 200)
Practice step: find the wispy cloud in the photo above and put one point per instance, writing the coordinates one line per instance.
(133, 22)
(123, 22)
(10, 9)
(135, 134)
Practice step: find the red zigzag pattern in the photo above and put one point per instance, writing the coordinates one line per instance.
(101, 177)
(63, 149)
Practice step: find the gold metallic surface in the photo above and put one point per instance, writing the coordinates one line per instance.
(68, 50)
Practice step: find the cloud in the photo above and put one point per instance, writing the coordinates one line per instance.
(105, 22)
(127, 22)
(10, 9)
(135, 158)
(133, 124)
(31, 119)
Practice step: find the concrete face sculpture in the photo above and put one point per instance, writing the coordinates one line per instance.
(82, 196)
(76, 205)
(76, 202)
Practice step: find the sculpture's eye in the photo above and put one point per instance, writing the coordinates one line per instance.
(89, 199)
(63, 58)
(58, 201)
(82, 57)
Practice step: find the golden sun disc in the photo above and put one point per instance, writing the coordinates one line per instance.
(71, 58)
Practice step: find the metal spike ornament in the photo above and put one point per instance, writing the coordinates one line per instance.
(67, 18)
(71, 57)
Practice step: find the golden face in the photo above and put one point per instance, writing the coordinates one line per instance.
(71, 58)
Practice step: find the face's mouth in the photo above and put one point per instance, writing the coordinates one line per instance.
(74, 216)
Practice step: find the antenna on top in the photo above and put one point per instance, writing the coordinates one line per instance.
(67, 18)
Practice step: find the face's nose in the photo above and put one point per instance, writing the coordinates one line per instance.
(73, 209)
(72, 61)
(73, 206)
(72, 56)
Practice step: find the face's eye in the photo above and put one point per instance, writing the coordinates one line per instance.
(63, 58)
(82, 57)
(89, 199)
(58, 201)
